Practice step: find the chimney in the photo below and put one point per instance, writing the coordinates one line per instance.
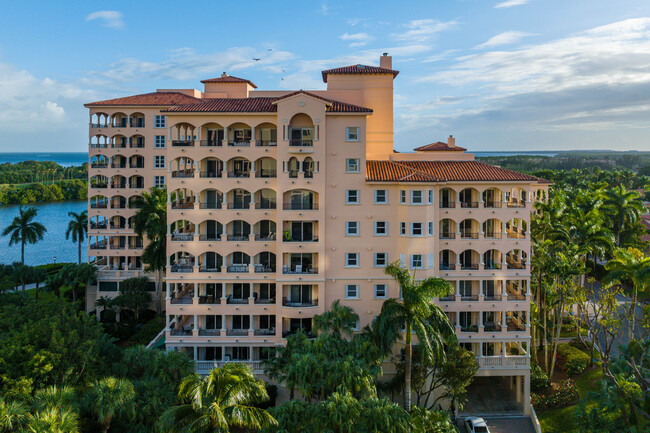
(224, 74)
(386, 61)
(451, 141)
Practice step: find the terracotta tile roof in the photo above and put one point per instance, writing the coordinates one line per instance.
(439, 146)
(229, 79)
(441, 171)
(148, 99)
(259, 105)
(358, 69)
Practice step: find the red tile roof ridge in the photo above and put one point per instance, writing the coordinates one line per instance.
(147, 99)
(439, 146)
(229, 79)
(358, 69)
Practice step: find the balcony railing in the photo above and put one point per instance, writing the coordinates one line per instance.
(264, 269)
(516, 296)
(265, 237)
(211, 268)
(237, 268)
(118, 165)
(239, 174)
(469, 266)
(213, 237)
(239, 205)
(266, 205)
(447, 235)
(118, 185)
(300, 206)
(469, 328)
(493, 297)
(493, 266)
(516, 203)
(514, 326)
(210, 143)
(299, 270)
(237, 238)
(97, 246)
(516, 235)
(182, 236)
(182, 268)
(209, 299)
(493, 204)
(492, 327)
(493, 235)
(467, 235)
(503, 361)
(183, 173)
(236, 301)
(98, 225)
(184, 300)
(299, 237)
(99, 165)
(265, 143)
(211, 174)
(236, 332)
(262, 332)
(209, 332)
(180, 332)
(447, 204)
(99, 185)
(469, 298)
(239, 143)
(266, 173)
(99, 205)
(447, 266)
(302, 303)
(301, 143)
(212, 205)
(469, 204)
(182, 143)
(189, 204)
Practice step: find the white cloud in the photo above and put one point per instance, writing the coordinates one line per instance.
(356, 39)
(511, 3)
(112, 19)
(504, 38)
(54, 109)
(417, 31)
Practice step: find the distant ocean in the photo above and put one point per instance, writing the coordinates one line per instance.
(486, 154)
(65, 159)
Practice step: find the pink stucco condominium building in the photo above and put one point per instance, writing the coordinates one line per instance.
(281, 202)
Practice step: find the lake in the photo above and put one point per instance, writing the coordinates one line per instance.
(54, 216)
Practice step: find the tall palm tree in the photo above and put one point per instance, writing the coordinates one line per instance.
(222, 400)
(53, 420)
(631, 265)
(77, 229)
(12, 415)
(623, 208)
(24, 230)
(109, 398)
(415, 312)
(338, 319)
(150, 221)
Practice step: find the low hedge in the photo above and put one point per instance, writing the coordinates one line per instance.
(574, 361)
(563, 395)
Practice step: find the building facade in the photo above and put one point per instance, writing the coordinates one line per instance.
(280, 203)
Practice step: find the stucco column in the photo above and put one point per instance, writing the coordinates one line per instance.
(168, 296)
(457, 321)
(225, 136)
(457, 290)
(195, 329)
(253, 136)
(526, 401)
(223, 322)
(196, 354)
(518, 388)
(250, 325)
(196, 291)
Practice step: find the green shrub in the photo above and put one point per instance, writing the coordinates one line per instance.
(564, 395)
(149, 330)
(538, 379)
(574, 360)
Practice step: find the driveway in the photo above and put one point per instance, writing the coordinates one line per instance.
(507, 425)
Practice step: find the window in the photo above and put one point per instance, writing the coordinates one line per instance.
(160, 121)
(381, 196)
(354, 325)
(159, 181)
(381, 228)
(416, 197)
(430, 196)
(402, 196)
(430, 228)
(352, 165)
(352, 133)
(381, 291)
(416, 261)
(159, 141)
(381, 259)
(351, 260)
(352, 291)
(159, 161)
(352, 228)
(402, 229)
(416, 229)
(352, 196)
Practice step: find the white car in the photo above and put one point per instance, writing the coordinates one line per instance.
(476, 425)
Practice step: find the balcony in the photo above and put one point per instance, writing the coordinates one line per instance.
(209, 300)
(516, 296)
(300, 206)
(300, 237)
(492, 327)
(262, 332)
(237, 269)
(265, 143)
(182, 236)
(118, 165)
(264, 269)
(266, 204)
(266, 173)
(99, 165)
(298, 142)
(469, 298)
(236, 332)
(183, 204)
(492, 297)
(212, 237)
(118, 185)
(302, 303)
(236, 301)
(515, 203)
(265, 237)
(447, 266)
(212, 205)
(469, 204)
(182, 143)
(237, 238)
(493, 266)
(447, 235)
(469, 328)
(183, 300)
(493, 204)
(448, 298)
(210, 269)
(469, 267)
(239, 205)
(515, 325)
(182, 268)
(210, 143)
(99, 205)
(183, 173)
(102, 225)
(493, 235)
(211, 174)
(99, 185)
(244, 143)
(298, 270)
(97, 246)
(209, 332)
(513, 234)
(239, 174)
(181, 332)
(447, 205)
(467, 235)
(503, 361)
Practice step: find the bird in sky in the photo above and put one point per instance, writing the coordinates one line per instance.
(270, 49)
(257, 60)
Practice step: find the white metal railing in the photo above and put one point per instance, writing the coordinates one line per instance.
(205, 367)
(503, 361)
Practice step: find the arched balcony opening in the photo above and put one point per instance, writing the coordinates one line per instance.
(98, 202)
(210, 293)
(492, 198)
(239, 198)
(98, 242)
(118, 202)
(265, 230)
(468, 290)
(183, 135)
(181, 262)
(98, 222)
(264, 262)
(516, 259)
(516, 228)
(129, 222)
(266, 134)
(302, 132)
(516, 290)
(447, 198)
(118, 181)
(210, 262)
(211, 167)
(492, 229)
(211, 134)
(264, 293)
(136, 182)
(239, 167)
(469, 229)
(238, 230)
(135, 202)
(182, 230)
(265, 199)
(99, 141)
(266, 168)
(117, 222)
(468, 198)
(136, 120)
(136, 161)
(119, 120)
(182, 167)
(181, 293)
(118, 161)
(119, 141)
(238, 262)
(98, 181)
(493, 259)
(210, 230)
(238, 293)
(469, 260)
(516, 197)
(492, 290)
(308, 167)
(98, 161)
(293, 167)
(99, 120)
(300, 199)
(447, 228)
(239, 135)
(182, 198)
(136, 142)
(211, 199)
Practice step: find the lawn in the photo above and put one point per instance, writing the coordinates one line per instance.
(564, 420)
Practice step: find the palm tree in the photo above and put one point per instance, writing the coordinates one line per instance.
(24, 230)
(415, 312)
(339, 319)
(630, 265)
(623, 208)
(222, 400)
(151, 222)
(108, 398)
(77, 229)
(12, 415)
(53, 420)
(64, 397)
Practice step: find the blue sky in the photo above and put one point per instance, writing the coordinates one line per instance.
(497, 74)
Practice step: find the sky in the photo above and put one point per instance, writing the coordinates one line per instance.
(500, 75)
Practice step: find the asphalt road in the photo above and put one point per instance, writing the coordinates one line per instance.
(507, 425)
